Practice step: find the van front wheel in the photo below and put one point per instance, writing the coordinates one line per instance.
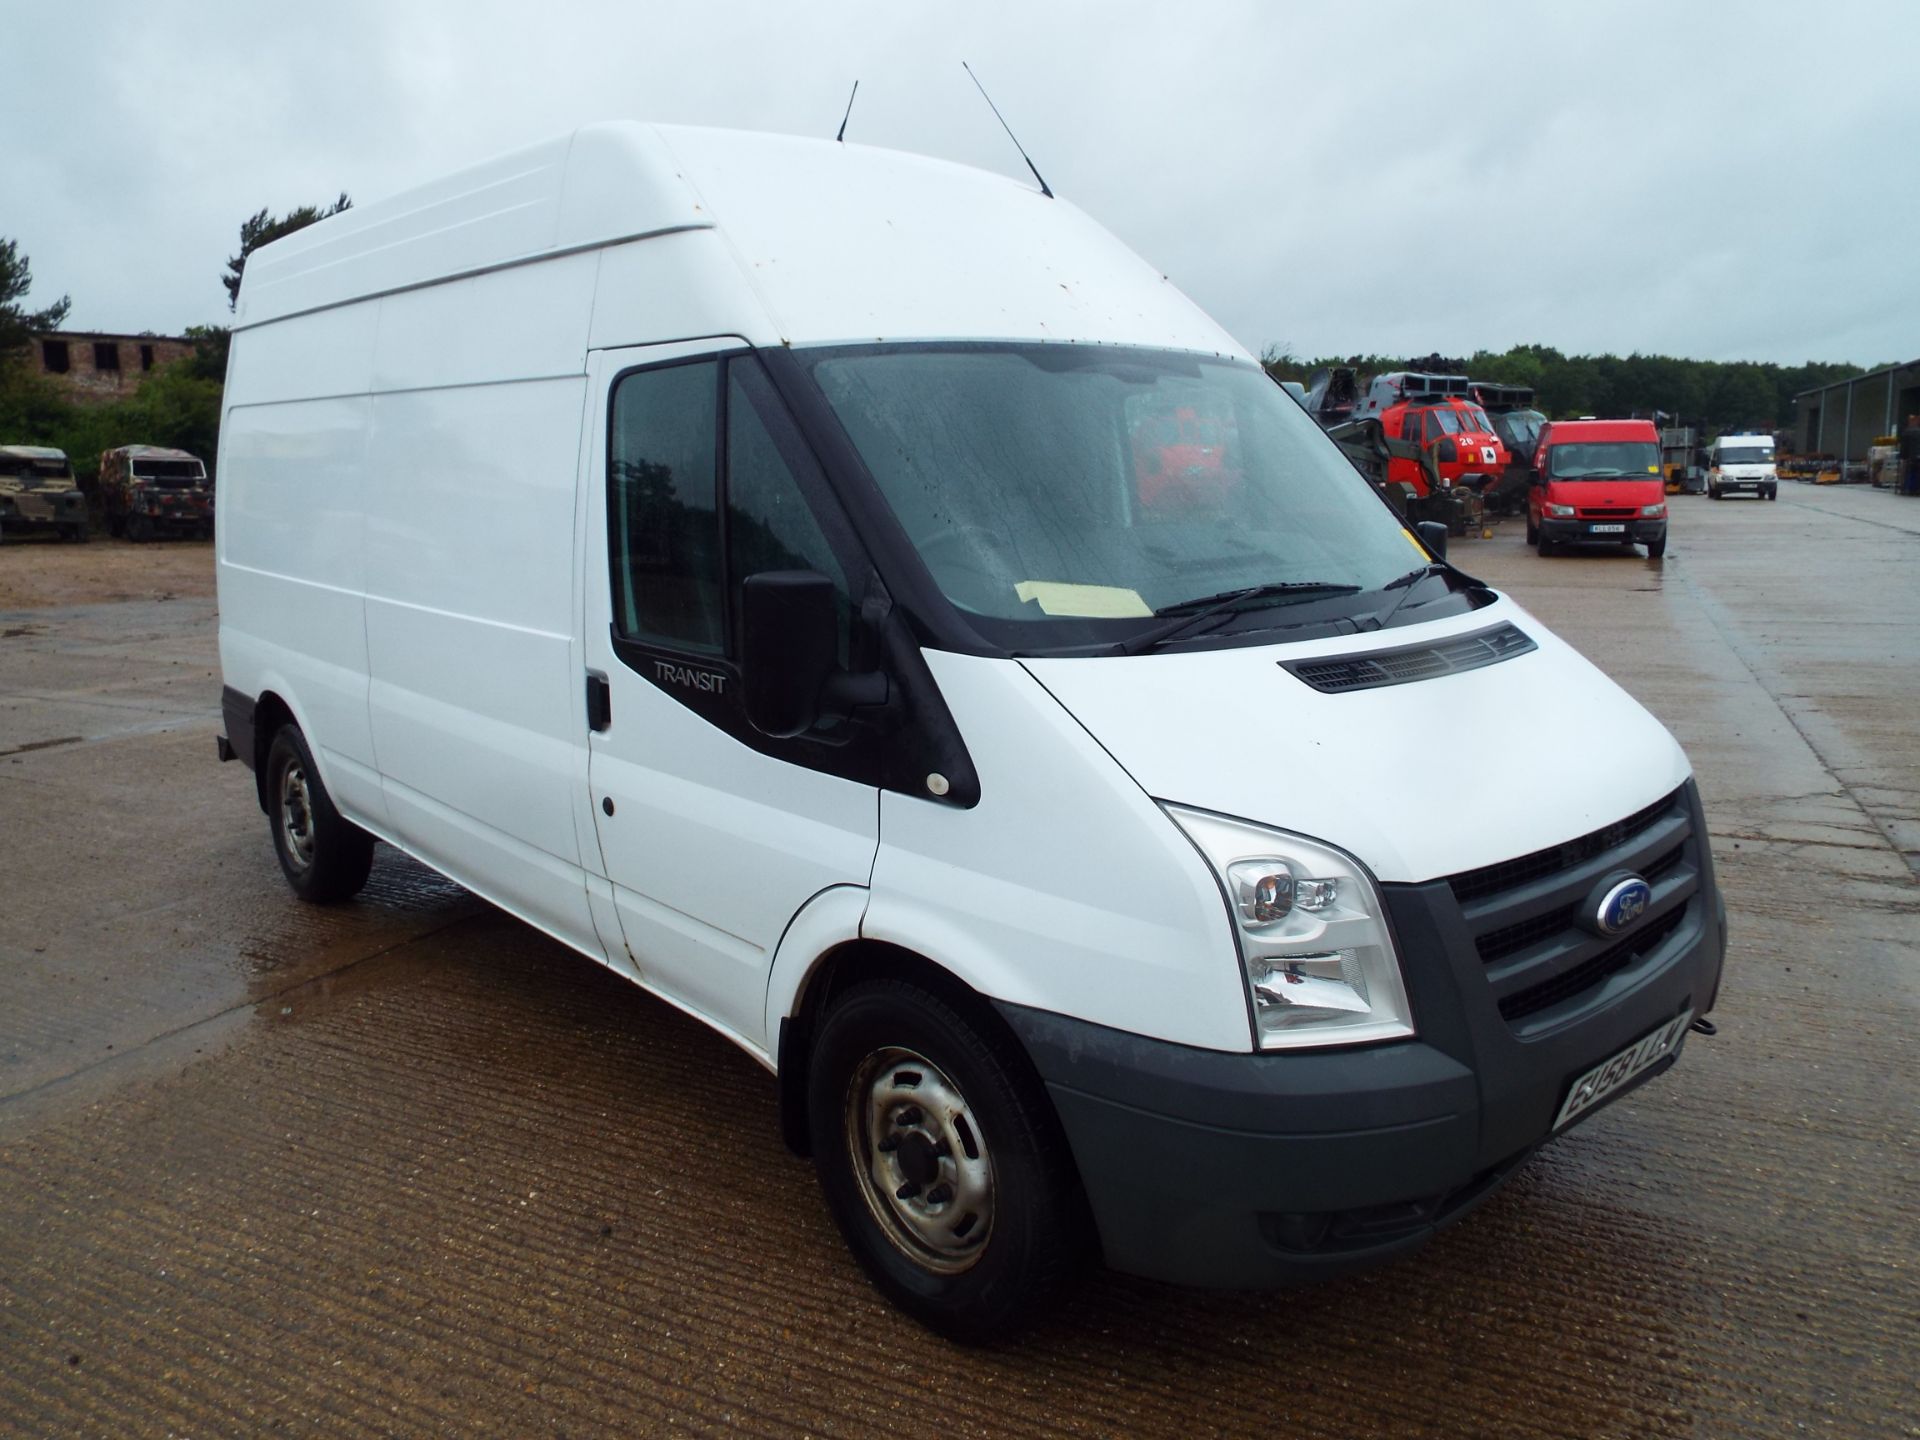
(941, 1161)
(325, 856)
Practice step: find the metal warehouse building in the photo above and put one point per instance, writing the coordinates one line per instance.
(1845, 417)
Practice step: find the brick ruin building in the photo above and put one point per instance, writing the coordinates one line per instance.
(94, 368)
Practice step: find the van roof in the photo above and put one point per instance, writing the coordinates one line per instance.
(827, 241)
(151, 452)
(1567, 432)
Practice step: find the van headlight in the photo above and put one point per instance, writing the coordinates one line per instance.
(1319, 965)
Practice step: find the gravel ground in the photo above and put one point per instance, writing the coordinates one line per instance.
(407, 1167)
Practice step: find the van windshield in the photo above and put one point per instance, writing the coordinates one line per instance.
(1104, 483)
(1604, 460)
(1744, 455)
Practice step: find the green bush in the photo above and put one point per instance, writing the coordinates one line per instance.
(173, 407)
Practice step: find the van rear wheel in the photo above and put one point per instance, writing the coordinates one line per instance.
(325, 856)
(941, 1161)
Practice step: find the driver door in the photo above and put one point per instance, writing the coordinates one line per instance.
(712, 835)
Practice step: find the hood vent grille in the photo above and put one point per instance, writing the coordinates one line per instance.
(1336, 674)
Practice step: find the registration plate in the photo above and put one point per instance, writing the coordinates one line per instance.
(1610, 1074)
(1607, 529)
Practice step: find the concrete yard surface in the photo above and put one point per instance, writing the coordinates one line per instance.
(405, 1166)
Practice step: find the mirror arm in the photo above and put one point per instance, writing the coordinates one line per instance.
(846, 691)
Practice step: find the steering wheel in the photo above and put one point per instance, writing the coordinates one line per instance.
(967, 564)
(985, 543)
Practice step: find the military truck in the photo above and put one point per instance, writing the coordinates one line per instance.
(147, 491)
(38, 492)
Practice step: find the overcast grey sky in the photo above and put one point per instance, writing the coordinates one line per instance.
(1725, 181)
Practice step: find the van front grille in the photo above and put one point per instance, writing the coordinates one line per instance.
(1473, 884)
(1589, 973)
(1530, 918)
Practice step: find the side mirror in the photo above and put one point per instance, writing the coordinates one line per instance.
(1433, 534)
(789, 648)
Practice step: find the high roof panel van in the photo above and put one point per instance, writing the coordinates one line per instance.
(758, 563)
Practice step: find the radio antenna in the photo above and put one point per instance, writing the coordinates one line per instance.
(1006, 127)
(844, 118)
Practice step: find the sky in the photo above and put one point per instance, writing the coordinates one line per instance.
(1724, 181)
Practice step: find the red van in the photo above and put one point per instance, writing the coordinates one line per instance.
(1597, 481)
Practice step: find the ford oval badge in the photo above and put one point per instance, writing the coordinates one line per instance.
(1625, 902)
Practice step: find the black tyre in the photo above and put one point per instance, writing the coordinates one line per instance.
(1656, 548)
(1546, 546)
(324, 856)
(1713, 492)
(942, 1161)
(1773, 492)
(1533, 531)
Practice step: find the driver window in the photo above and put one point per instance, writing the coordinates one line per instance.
(661, 519)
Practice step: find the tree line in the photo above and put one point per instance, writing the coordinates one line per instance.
(179, 405)
(1719, 395)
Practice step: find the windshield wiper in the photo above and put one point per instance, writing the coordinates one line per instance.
(1411, 580)
(1211, 605)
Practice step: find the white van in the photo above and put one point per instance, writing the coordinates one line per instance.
(785, 573)
(1741, 464)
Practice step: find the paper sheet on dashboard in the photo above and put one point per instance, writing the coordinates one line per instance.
(1090, 602)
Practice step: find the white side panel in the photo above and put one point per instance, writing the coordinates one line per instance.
(600, 185)
(503, 208)
(303, 359)
(470, 629)
(291, 574)
(528, 323)
(1230, 731)
(1066, 888)
(675, 287)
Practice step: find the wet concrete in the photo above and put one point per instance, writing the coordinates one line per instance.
(407, 1167)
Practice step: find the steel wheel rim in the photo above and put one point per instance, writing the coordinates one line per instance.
(296, 815)
(921, 1160)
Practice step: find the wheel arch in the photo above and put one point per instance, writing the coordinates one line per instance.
(272, 710)
(848, 963)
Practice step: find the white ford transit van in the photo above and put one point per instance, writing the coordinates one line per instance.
(1742, 464)
(856, 599)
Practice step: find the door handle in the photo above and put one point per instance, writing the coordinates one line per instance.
(599, 701)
